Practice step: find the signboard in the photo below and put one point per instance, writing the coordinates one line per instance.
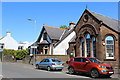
(33, 46)
(1, 50)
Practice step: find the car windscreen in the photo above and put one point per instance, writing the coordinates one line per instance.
(94, 60)
(55, 60)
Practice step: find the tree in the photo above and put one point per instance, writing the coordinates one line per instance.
(64, 27)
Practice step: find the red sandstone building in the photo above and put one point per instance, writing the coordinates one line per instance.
(97, 36)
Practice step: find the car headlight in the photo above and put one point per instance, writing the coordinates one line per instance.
(101, 66)
(103, 71)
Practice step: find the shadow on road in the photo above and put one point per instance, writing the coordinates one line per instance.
(87, 75)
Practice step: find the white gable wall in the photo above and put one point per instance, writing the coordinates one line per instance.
(9, 42)
(61, 49)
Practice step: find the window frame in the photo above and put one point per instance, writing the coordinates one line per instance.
(113, 44)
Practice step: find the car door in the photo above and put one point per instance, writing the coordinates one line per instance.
(46, 63)
(41, 64)
(77, 64)
(83, 64)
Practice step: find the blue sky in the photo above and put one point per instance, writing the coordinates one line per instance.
(15, 15)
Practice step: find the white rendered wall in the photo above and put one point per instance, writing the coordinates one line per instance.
(9, 42)
(24, 44)
(61, 48)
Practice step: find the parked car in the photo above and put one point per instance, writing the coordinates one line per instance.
(89, 65)
(50, 64)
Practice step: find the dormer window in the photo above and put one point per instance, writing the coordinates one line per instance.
(45, 36)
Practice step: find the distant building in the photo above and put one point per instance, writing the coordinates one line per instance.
(8, 42)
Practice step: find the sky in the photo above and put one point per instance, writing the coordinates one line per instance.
(15, 15)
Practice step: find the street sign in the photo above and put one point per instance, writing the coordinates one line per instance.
(1, 50)
(33, 46)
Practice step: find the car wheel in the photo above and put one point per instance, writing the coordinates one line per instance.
(48, 68)
(71, 70)
(94, 73)
(37, 66)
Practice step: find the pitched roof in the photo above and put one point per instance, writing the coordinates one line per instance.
(44, 42)
(112, 23)
(67, 32)
(54, 32)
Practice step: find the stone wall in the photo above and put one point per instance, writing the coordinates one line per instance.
(29, 60)
(9, 58)
(62, 58)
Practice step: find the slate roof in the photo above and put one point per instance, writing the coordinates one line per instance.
(54, 32)
(34, 44)
(112, 23)
(67, 32)
(44, 42)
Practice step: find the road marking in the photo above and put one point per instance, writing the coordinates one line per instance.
(1, 75)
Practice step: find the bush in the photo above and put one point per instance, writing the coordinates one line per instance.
(8, 52)
(18, 54)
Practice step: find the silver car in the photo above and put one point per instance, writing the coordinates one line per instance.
(50, 64)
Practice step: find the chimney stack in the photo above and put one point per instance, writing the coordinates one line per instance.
(71, 25)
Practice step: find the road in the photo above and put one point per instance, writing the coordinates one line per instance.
(19, 70)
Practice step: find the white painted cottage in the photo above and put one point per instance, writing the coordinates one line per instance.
(54, 41)
(8, 42)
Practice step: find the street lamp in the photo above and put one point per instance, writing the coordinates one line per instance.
(34, 46)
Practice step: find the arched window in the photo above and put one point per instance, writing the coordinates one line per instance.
(88, 44)
(82, 47)
(109, 47)
(93, 47)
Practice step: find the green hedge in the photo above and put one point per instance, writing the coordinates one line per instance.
(18, 54)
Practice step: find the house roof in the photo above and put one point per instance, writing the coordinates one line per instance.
(54, 32)
(111, 23)
(44, 42)
(67, 32)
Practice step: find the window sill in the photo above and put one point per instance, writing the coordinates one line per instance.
(109, 59)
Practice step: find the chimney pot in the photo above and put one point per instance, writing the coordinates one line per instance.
(8, 33)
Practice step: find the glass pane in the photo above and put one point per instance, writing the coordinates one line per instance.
(109, 46)
(94, 47)
(88, 47)
(109, 50)
(77, 59)
(109, 55)
(55, 60)
(109, 41)
(109, 38)
(87, 36)
(82, 46)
